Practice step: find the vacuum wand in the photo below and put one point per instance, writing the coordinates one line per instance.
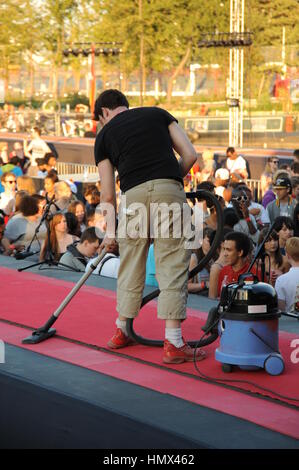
(45, 332)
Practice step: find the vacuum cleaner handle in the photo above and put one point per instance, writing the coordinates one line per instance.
(242, 278)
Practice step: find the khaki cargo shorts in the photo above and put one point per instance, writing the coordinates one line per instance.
(140, 220)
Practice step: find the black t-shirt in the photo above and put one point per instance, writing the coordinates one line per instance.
(138, 144)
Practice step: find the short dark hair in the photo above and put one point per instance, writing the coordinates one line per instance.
(282, 220)
(241, 240)
(28, 206)
(52, 176)
(90, 235)
(15, 161)
(49, 155)
(230, 150)
(230, 217)
(110, 99)
(296, 153)
(207, 186)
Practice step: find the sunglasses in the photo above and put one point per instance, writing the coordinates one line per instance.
(240, 199)
(11, 181)
(275, 161)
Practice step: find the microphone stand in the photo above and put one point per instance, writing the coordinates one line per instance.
(260, 253)
(49, 257)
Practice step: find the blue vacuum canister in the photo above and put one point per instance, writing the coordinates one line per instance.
(248, 327)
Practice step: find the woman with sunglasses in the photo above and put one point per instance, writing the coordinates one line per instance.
(247, 223)
(7, 198)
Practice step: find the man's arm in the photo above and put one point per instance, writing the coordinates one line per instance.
(183, 147)
(108, 196)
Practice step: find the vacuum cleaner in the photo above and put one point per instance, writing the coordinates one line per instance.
(248, 327)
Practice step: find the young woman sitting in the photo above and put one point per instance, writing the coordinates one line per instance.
(59, 238)
(275, 263)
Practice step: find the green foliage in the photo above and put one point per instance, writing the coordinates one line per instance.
(169, 29)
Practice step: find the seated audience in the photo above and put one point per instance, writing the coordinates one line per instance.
(94, 218)
(247, 223)
(50, 162)
(285, 228)
(109, 265)
(42, 169)
(237, 248)
(275, 263)
(78, 209)
(284, 205)
(295, 169)
(208, 167)
(267, 176)
(287, 284)
(7, 198)
(295, 187)
(41, 200)
(21, 228)
(217, 265)
(79, 252)
(63, 197)
(59, 239)
(221, 181)
(296, 221)
(26, 183)
(201, 280)
(230, 218)
(211, 220)
(92, 196)
(49, 186)
(4, 247)
(257, 210)
(73, 225)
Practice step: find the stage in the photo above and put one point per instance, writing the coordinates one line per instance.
(71, 391)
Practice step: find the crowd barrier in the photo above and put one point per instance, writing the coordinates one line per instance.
(89, 173)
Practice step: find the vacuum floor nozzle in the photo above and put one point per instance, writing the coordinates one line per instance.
(38, 336)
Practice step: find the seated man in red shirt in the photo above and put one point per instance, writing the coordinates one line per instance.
(237, 246)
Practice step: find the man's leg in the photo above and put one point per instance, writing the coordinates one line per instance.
(131, 275)
(172, 262)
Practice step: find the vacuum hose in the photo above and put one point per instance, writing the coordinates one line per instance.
(213, 334)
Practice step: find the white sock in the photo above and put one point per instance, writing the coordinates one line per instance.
(122, 325)
(174, 336)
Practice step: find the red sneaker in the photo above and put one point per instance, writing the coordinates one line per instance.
(173, 355)
(120, 340)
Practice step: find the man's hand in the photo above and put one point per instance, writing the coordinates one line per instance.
(255, 211)
(244, 210)
(109, 244)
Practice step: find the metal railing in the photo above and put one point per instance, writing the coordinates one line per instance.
(86, 171)
(65, 168)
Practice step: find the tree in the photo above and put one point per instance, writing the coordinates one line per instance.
(57, 17)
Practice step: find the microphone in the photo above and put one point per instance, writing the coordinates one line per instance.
(25, 254)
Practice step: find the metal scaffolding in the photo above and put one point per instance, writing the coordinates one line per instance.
(236, 71)
(236, 40)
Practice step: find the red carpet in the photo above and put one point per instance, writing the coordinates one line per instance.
(30, 299)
